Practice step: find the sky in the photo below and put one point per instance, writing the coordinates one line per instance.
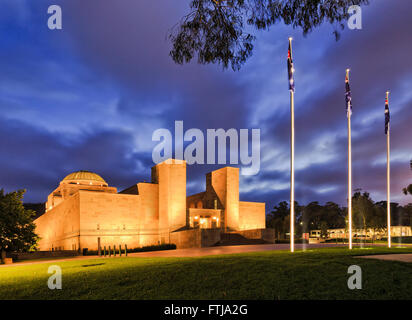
(89, 97)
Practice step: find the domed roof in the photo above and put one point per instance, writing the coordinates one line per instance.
(84, 175)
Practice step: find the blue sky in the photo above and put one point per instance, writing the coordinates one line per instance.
(89, 97)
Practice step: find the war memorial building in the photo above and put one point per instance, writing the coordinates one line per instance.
(85, 212)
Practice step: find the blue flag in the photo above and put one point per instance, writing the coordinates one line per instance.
(290, 68)
(387, 115)
(348, 96)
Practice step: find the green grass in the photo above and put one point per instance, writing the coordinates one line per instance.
(314, 274)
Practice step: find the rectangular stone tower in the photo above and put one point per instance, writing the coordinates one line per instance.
(225, 183)
(171, 177)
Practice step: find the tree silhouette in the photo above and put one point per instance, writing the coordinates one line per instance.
(17, 230)
(217, 30)
(408, 189)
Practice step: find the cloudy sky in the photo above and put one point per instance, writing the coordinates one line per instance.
(89, 97)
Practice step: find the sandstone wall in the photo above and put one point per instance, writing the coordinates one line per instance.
(59, 227)
(252, 215)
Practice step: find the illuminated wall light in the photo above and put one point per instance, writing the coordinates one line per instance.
(196, 217)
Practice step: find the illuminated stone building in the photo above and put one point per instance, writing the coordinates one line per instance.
(84, 211)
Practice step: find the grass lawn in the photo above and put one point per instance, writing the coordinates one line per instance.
(314, 274)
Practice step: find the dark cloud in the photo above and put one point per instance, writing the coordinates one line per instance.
(37, 160)
(122, 45)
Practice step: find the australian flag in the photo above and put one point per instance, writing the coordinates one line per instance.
(387, 115)
(290, 68)
(348, 96)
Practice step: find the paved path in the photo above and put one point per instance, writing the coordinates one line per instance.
(407, 257)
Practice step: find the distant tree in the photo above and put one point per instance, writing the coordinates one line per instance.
(279, 219)
(312, 214)
(407, 190)
(324, 229)
(16, 224)
(378, 219)
(363, 211)
(216, 30)
(408, 213)
(334, 215)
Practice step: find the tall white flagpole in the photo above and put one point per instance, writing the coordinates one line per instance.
(388, 175)
(292, 161)
(349, 167)
(292, 171)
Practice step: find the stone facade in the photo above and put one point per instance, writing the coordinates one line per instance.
(85, 211)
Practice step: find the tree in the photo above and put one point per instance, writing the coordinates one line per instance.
(16, 224)
(407, 190)
(408, 212)
(378, 218)
(216, 30)
(279, 219)
(324, 229)
(363, 209)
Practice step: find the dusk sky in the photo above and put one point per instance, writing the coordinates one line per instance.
(89, 96)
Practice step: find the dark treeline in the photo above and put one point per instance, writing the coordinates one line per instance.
(366, 214)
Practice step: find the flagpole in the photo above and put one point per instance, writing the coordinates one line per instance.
(388, 176)
(292, 152)
(292, 171)
(349, 168)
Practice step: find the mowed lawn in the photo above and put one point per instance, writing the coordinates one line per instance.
(313, 274)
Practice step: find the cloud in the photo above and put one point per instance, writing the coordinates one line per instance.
(37, 160)
(90, 96)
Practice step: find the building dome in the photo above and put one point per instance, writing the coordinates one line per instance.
(84, 177)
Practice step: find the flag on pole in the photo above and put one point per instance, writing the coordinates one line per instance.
(292, 147)
(349, 113)
(348, 95)
(290, 68)
(387, 115)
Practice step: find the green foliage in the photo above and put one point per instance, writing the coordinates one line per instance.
(366, 214)
(16, 223)
(310, 217)
(218, 30)
(279, 219)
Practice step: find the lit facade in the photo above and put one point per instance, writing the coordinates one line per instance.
(396, 231)
(84, 211)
